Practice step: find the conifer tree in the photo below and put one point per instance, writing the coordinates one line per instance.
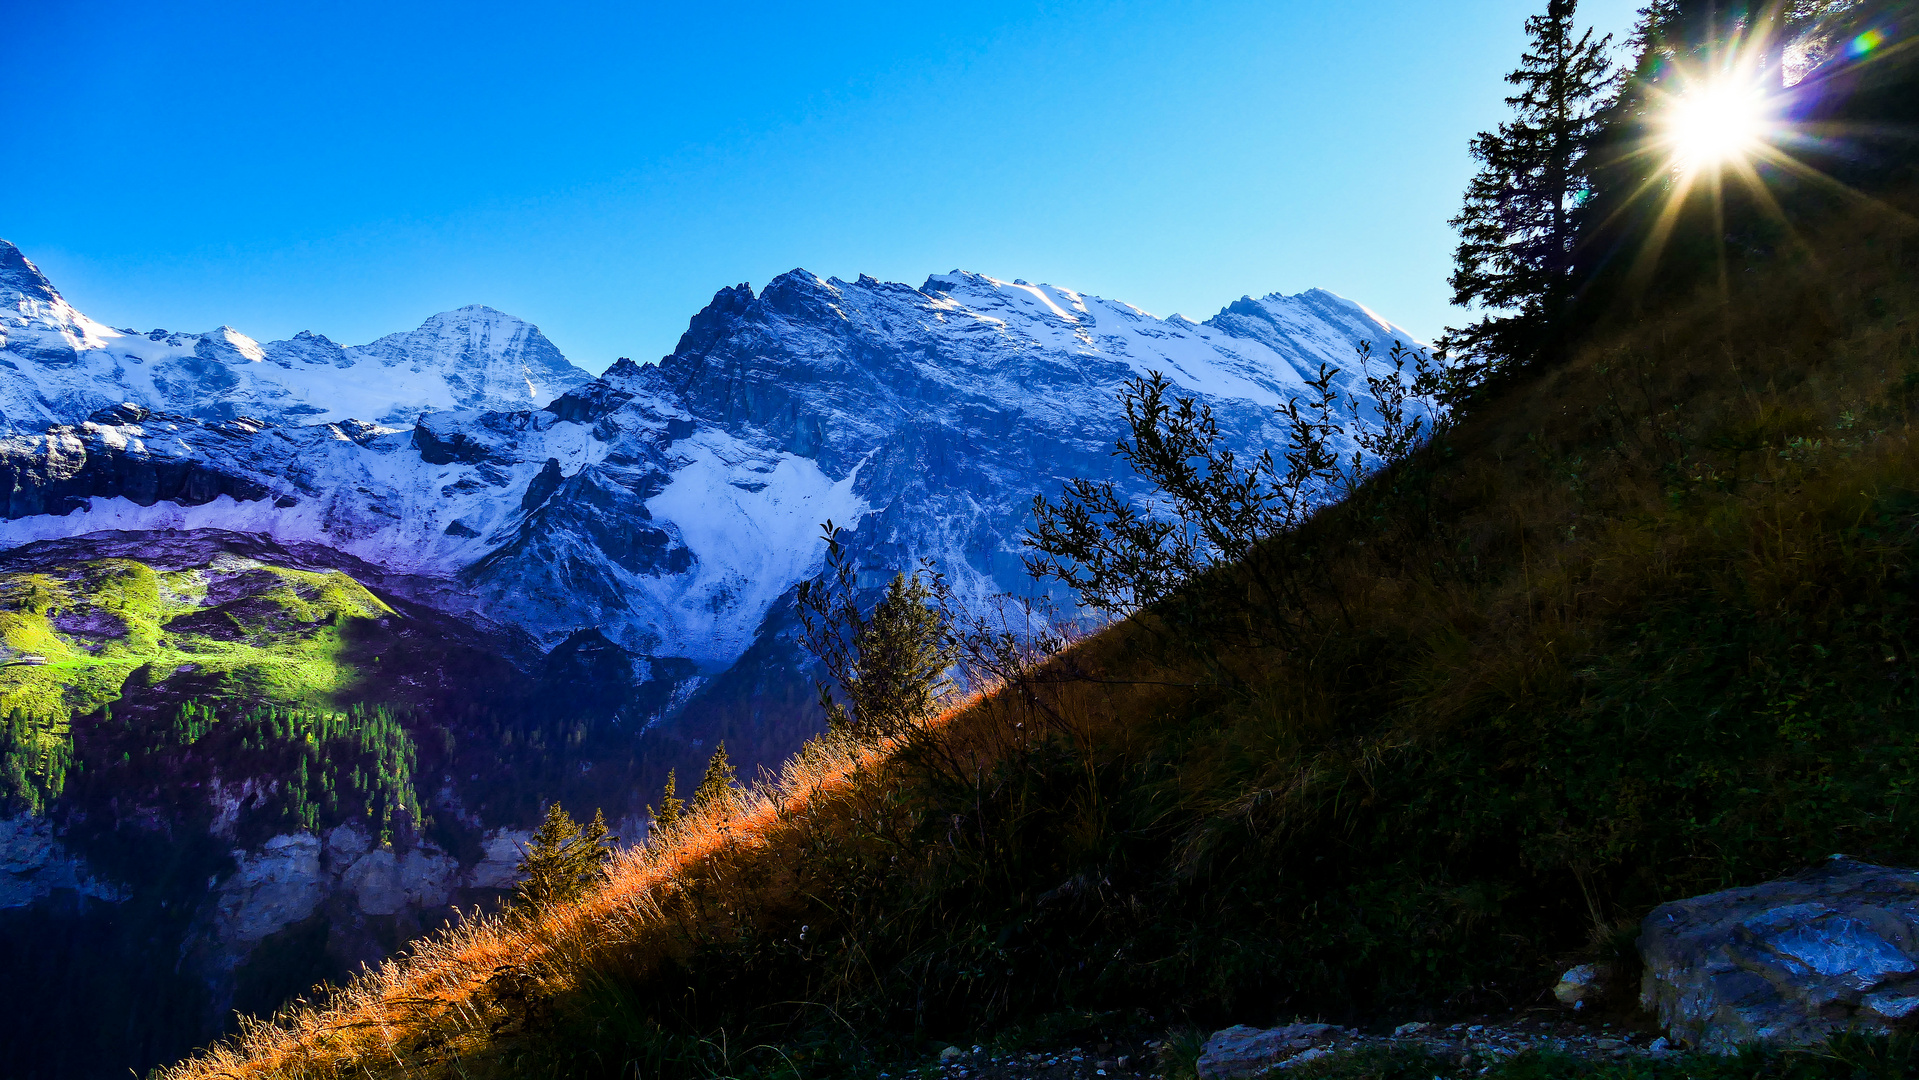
(595, 845)
(668, 815)
(902, 660)
(717, 784)
(562, 860)
(1519, 227)
(891, 663)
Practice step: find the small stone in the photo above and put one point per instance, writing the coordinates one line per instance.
(1413, 1028)
(1659, 1045)
(1577, 985)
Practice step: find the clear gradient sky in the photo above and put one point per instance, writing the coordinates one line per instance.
(600, 169)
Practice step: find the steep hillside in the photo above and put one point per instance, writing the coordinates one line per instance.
(1638, 627)
(185, 715)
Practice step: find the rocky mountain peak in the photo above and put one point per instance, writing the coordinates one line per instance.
(1290, 324)
(19, 275)
(22, 277)
(801, 295)
(487, 358)
(727, 307)
(228, 345)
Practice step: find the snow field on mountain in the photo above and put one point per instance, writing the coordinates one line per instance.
(752, 522)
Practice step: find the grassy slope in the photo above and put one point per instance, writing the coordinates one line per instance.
(288, 643)
(1640, 629)
(98, 624)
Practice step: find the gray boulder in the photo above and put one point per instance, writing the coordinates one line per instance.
(1242, 1051)
(1787, 962)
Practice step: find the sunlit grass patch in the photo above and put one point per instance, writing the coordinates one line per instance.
(74, 636)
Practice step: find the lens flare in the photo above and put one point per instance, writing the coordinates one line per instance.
(1716, 123)
(1725, 122)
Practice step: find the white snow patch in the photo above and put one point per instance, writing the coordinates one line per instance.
(751, 545)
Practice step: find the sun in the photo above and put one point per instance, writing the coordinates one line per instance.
(1718, 123)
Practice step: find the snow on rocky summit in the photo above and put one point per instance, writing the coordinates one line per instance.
(671, 506)
(63, 366)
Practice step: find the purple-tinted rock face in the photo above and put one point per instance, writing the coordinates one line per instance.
(19, 275)
(1787, 962)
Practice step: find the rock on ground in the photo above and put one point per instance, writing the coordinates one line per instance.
(1789, 961)
(1248, 1051)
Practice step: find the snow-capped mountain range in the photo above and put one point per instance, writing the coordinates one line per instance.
(62, 366)
(673, 506)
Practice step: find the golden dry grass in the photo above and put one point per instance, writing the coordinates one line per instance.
(439, 1010)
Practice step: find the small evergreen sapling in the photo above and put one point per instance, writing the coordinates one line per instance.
(716, 786)
(563, 860)
(669, 813)
(891, 663)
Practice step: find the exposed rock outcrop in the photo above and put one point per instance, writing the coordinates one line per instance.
(293, 875)
(35, 864)
(1242, 1051)
(56, 473)
(273, 888)
(1787, 962)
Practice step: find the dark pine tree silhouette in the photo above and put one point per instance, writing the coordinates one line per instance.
(1519, 228)
(668, 815)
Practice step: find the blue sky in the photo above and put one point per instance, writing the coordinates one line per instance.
(602, 168)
